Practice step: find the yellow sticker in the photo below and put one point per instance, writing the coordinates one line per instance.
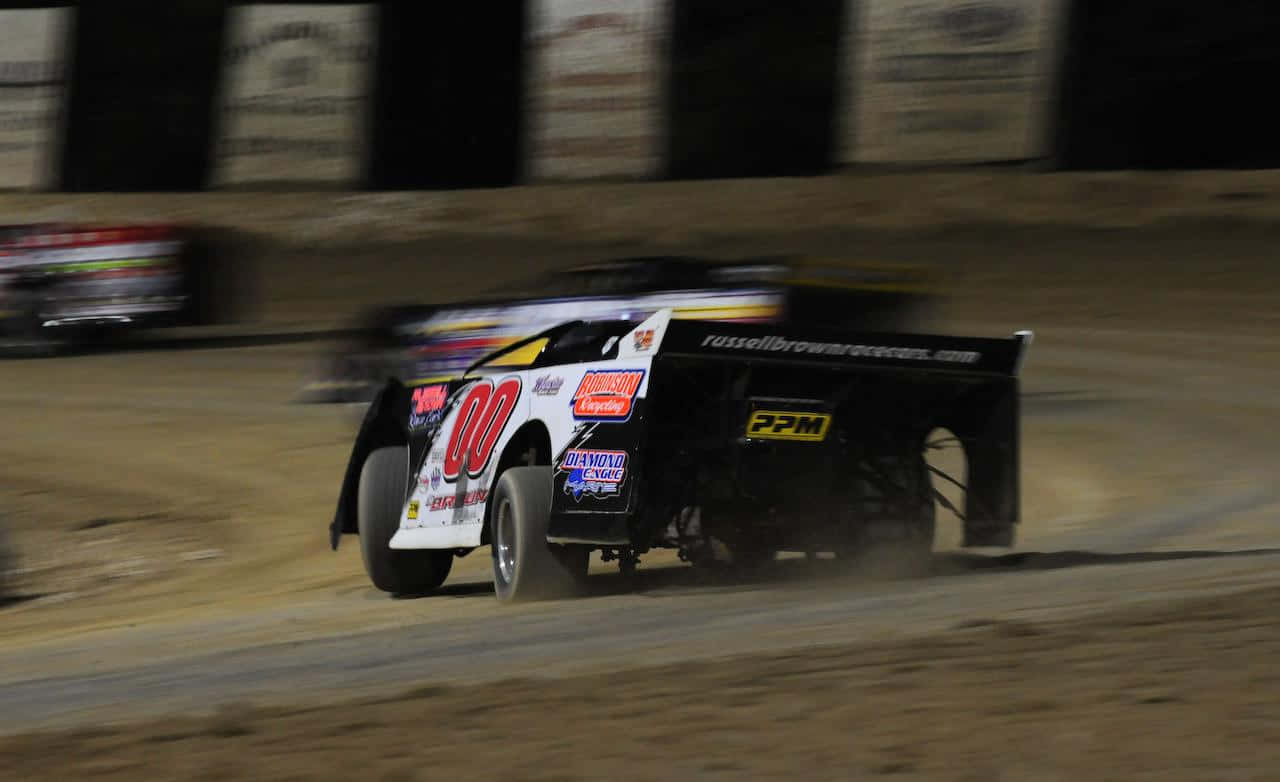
(413, 509)
(788, 425)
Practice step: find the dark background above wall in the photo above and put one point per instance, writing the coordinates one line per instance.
(447, 95)
(1174, 84)
(752, 90)
(142, 85)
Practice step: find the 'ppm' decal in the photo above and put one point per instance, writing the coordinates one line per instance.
(788, 425)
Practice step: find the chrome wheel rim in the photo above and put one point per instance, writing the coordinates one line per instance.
(504, 542)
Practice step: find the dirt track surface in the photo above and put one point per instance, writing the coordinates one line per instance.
(1124, 696)
(171, 509)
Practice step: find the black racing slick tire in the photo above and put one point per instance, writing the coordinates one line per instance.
(899, 540)
(384, 481)
(525, 566)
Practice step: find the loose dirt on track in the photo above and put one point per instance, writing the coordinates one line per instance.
(171, 508)
(1182, 692)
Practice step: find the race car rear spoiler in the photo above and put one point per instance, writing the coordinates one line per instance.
(923, 352)
(971, 383)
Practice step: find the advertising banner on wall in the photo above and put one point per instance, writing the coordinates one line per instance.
(948, 80)
(296, 83)
(595, 88)
(33, 72)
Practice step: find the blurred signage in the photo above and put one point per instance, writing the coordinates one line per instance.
(948, 80)
(595, 88)
(296, 94)
(32, 87)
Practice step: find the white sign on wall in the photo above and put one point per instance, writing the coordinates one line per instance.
(296, 82)
(32, 88)
(948, 80)
(595, 88)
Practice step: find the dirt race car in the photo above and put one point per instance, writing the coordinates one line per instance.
(63, 285)
(419, 343)
(720, 440)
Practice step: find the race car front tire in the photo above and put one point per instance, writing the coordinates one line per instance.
(384, 481)
(525, 566)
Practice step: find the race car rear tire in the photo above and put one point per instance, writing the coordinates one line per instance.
(900, 544)
(383, 487)
(525, 566)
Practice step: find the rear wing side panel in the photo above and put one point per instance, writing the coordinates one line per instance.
(974, 381)
(987, 425)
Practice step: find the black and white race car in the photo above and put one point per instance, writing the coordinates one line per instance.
(423, 343)
(707, 437)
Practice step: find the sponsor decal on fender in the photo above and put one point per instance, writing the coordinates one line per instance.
(606, 394)
(547, 385)
(594, 472)
(426, 406)
(643, 340)
(449, 501)
(432, 480)
(429, 398)
(413, 509)
(788, 425)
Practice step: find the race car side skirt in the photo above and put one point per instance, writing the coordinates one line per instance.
(601, 531)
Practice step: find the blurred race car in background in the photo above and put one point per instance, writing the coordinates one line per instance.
(425, 343)
(64, 285)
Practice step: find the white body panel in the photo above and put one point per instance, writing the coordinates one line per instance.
(447, 507)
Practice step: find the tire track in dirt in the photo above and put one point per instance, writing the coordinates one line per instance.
(669, 624)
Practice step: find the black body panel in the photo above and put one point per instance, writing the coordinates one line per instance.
(849, 416)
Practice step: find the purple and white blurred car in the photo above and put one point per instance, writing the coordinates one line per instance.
(424, 343)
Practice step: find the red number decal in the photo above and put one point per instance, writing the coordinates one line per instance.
(481, 418)
(464, 428)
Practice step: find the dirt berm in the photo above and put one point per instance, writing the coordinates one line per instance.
(666, 212)
(303, 259)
